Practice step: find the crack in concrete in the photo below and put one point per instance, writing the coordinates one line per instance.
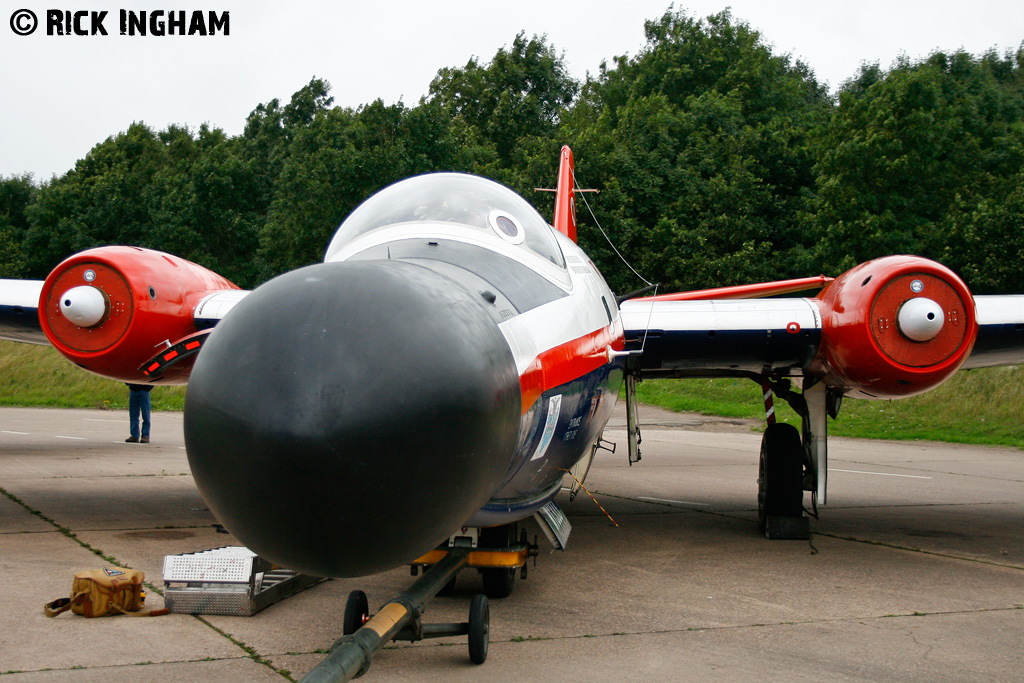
(249, 651)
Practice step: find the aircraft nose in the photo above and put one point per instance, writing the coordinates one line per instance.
(345, 418)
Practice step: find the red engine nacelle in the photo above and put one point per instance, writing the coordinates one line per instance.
(111, 309)
(894, 327)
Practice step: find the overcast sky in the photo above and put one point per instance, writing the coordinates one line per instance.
(62, 95)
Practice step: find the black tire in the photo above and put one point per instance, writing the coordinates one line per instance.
(780, 486)
(479, 628)
(356, 612)
(498, 583)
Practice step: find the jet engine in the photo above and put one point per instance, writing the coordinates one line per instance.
(894, 327)
(110, 309)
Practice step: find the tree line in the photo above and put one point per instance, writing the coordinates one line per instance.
(718, 162)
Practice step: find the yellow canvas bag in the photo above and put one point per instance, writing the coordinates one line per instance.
(102, 592)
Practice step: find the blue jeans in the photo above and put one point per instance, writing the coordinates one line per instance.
(138, 401)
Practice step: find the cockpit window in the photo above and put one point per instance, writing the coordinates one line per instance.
(453, 197)
(506, 226)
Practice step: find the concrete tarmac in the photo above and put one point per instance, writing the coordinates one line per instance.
(915, 570)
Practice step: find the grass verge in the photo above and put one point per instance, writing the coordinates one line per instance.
(32, 375)
(983, 406)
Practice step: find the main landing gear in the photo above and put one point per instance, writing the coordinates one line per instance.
(793, 461)
(780, 489)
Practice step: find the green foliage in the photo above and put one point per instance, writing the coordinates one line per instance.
(718, 162)
(922, 160)
(175, 191)
(699, 143)
(16, 194)
(338, 159)
(101, 201)
(519, 95)
(12, 260)
(987, 239)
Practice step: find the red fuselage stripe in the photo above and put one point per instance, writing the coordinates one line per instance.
(569, 361)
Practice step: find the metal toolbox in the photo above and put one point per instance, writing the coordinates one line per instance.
(231, 580)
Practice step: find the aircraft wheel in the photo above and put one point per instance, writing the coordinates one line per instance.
(780, 491)
(356, 612)
(498, 583)
(479, 628)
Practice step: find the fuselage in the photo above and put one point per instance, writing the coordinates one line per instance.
(447, 364)
(550, 304)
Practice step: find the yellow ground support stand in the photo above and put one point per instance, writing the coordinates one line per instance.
(513, 558)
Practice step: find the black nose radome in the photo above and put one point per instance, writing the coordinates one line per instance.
(345, 418)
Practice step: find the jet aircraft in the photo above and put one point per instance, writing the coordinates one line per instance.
(454, 355)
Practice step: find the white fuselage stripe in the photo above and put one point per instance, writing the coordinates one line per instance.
(563, 320)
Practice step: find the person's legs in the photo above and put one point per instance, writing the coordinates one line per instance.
(134, 406)
(145, 405)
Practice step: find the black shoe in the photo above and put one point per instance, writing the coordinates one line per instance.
(131, 439)
(144, 439)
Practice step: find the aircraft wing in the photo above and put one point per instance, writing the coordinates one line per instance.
(721, 337)
(778, 337)
(19, 311)
(1000, 331)
(213, 307)
(890, 328)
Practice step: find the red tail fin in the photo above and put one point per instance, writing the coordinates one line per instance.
(565, 200)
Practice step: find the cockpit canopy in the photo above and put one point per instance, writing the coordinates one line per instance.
(467, 200)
